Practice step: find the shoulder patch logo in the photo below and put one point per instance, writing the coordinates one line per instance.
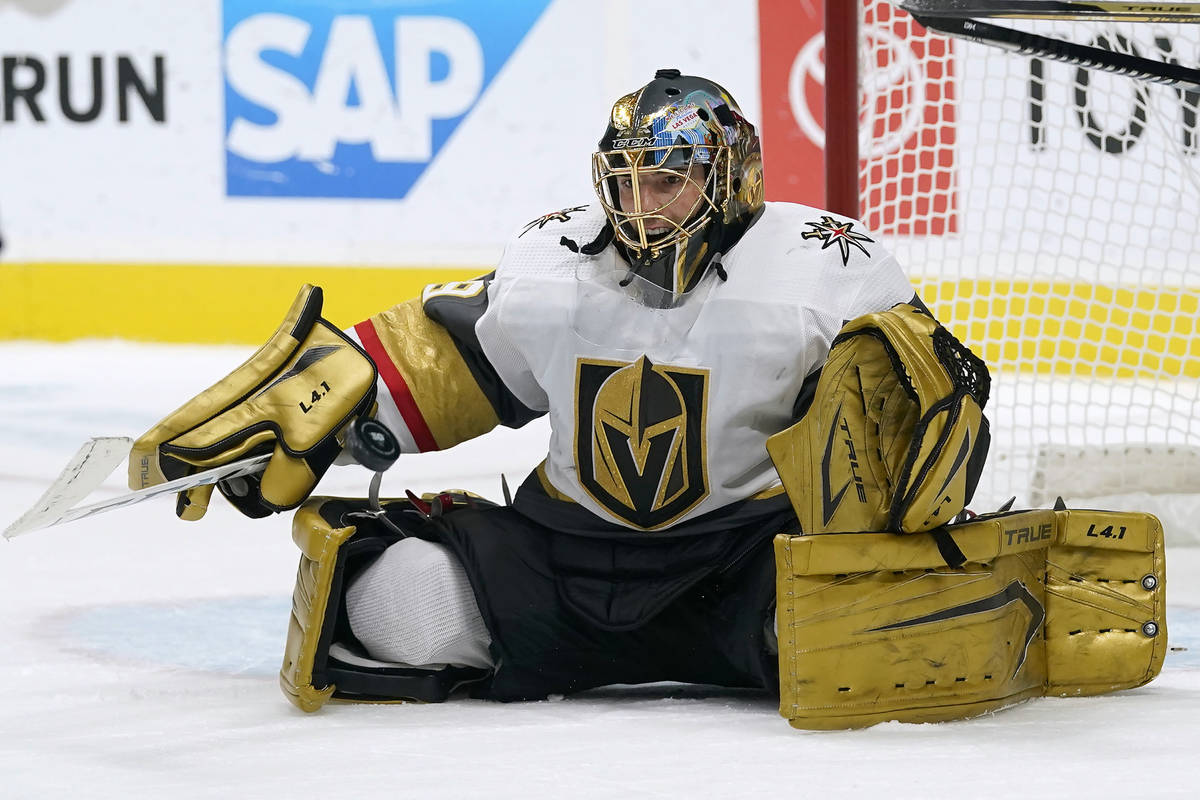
(832, 231)
(555, 216)
(640, 448)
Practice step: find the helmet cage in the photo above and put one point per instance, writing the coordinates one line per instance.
(691, 128)
(612, 167)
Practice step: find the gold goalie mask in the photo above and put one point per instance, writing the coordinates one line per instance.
(679, 175)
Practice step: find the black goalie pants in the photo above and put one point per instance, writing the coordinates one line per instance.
(569, 612)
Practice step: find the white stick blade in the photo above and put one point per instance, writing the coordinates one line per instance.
(84, 473)
(247, 466)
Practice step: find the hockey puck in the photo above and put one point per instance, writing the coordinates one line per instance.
(372, 444)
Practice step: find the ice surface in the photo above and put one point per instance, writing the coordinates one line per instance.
(140, 657)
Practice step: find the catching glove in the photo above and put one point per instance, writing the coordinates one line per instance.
(895, 438)
(290, 399)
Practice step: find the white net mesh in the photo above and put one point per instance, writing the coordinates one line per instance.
(1049, 216)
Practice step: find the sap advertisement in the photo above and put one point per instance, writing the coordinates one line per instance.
(328, 102)
(341, 132)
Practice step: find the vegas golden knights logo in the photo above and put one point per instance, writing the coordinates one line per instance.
(640, 438)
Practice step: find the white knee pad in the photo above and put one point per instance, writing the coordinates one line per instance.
(415, 606)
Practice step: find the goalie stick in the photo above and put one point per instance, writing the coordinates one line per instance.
(370, 443)
(1146, 69)
(89, 468)
(1134, 11)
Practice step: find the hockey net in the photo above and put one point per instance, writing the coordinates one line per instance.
(1050, 216)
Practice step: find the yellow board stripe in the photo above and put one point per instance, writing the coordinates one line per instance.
(1067, 328)
(1072, 328)
(193, 303)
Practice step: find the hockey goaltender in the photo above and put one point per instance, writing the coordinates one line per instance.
(762, 446)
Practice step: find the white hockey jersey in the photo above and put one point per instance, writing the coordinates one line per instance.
(658, 415)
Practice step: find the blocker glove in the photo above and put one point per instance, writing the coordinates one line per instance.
(292, 398)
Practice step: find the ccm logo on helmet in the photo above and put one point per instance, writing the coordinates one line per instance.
(641, 141)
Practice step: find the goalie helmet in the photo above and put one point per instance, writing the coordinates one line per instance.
(679, 175)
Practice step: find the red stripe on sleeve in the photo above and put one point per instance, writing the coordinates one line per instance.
(397, 386)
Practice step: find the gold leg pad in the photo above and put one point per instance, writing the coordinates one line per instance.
(319, 544)
(1106, 625)
(875, 626)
